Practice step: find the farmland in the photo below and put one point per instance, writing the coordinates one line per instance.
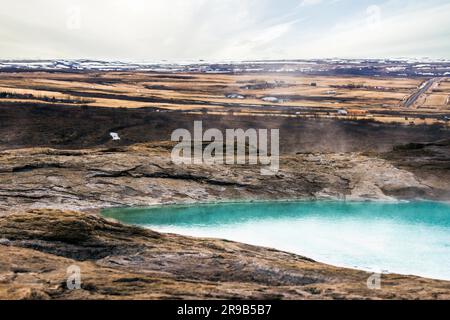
(276, 94)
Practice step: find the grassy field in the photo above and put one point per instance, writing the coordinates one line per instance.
(286, 95)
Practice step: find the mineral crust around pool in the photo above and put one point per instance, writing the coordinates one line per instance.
(117, 261)
(143, 174)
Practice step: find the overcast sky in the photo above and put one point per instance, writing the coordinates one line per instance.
(223, 29)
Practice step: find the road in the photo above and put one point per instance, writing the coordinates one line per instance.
(421, 90)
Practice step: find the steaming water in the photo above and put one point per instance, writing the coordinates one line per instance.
(405, 238)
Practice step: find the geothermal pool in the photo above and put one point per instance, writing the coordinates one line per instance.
(406, 238)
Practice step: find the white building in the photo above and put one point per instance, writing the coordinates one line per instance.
(234, 96)
(270, 99)
(114, 136)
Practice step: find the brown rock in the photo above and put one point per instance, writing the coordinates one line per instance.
(123, 262)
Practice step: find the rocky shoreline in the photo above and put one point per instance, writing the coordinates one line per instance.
(124, 262)
(43, 231)
(143, 175)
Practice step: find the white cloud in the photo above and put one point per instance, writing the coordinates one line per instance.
(255, 44)
(419, 31)
(217, 29)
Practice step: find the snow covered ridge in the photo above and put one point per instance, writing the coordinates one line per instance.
(374, 67)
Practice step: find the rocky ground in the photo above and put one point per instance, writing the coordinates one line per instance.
(143, 174)
(40, 237)
(122, 262)
(58, 167)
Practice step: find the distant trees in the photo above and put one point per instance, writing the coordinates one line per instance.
(51, 99)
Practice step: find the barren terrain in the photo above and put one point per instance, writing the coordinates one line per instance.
(59, 167)
(124, 262)
(393, 99)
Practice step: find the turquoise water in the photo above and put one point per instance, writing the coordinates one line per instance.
(405, 238)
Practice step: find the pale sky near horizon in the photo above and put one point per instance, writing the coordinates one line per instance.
(223, 29)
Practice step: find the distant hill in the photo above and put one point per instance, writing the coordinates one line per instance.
(366, 67)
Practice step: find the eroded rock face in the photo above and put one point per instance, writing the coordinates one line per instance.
(429, 162)
(144, 175)
(69, 235)
(38, 245)
(122, 262)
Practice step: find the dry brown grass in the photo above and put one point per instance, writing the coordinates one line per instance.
(193, 92)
